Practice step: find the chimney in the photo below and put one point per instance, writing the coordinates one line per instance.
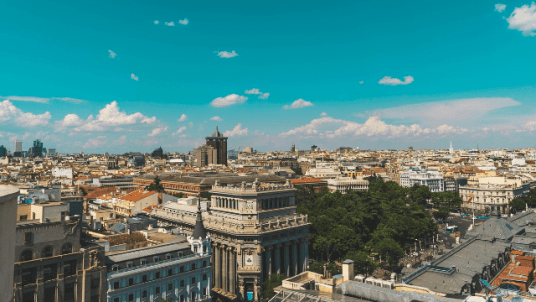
(348, 270)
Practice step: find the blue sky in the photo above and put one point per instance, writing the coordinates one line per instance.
(116, 76)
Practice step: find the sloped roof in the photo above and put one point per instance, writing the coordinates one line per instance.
(138, 195)
(496, 227)
(199, 229)
(523, 219)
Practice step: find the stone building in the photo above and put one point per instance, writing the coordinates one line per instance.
(219, 143)
(179, 270)
(8, 210)
(342, 184)
(492, 193)
(423, 177)
(51, 265)
(255, 232)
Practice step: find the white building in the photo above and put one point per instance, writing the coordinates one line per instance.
(324, 170)
(492, 193)
(347, 183)
(59, 172)
(423, 177)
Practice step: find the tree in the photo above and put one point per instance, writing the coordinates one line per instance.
(517, 204)
(179, 195)
(442, 213)
(363, 264)
(270, 283)
(155, 186)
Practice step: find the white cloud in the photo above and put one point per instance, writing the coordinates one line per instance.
(227, 55)
(121, 140)
(110, 116)
(387, 80)
(452, 111)
(95, 142)
(111, 54)
(180, 130)
(264, 96)
(184, 21)
(191, 124)
(216, 118)
(500, 7)
(237, 131)
(256, 91)
(41, 100)
(299, 103)
(323, 114)
(253, 91)
(8, 112)
(182, 118)
(229, 100)
(134, 77)
(523, 19)
(373, 128)
(156, 22)
(158, 131)
(170, 23)
(361, 82)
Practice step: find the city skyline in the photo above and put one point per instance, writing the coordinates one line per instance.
(101, 77)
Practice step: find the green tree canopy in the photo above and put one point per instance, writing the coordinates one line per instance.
(270, 283)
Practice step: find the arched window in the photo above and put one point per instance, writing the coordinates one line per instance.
(194, 296)
(48, 251)
(26, 255)
(67, 248)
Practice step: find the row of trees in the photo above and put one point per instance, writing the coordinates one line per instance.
(384, 220)
(521, 203)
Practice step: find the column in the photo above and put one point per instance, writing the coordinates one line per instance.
(278, 259)
(286, 258)
(217, 266)
(305, 254)
(40, 290)
(232, 271)
(269, 260)
(225, 271)
(294, 257)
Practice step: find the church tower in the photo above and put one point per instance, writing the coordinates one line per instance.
(200, 242)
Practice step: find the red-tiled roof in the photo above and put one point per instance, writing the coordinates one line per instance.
(137, 195)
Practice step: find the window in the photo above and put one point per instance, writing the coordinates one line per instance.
(69, 268)
(157, 290)
(116, 284)
(67, 248)
(194, 296)
(168, 256)
(116, 299)
(181, 254)
(170, 286)
(26, 255)
(23, 217)
(204, 263)
(156, 259)
(131, 297)
(182, 283)
(49, 272)
(157, 275)
(28, 237)
(28, 276)
(170, 272)
(204, 248)
(204, 277)
(130, 264)
(95, 283)
(50, 294)
(182, 298)
(130, 281)
(193, 280)
(181, 269)
(115, 268)
(48, 251)
(144, 294)
(193, 266)
(144, 278)
(143, 261)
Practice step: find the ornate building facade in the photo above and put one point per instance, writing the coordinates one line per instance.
(255, 232)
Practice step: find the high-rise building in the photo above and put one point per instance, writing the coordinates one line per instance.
(293, 148)
(51, 152)
(18, 146)
(37, 149)
(3, 151)
(158, 152)
(218, 142)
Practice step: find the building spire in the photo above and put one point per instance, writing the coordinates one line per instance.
(199, 229)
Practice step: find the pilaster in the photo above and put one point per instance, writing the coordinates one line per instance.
(286, 259)
(278, 259)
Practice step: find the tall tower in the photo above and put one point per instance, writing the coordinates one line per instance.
(293, 148)
(18, 146)
(218, 142)
(451, 150)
